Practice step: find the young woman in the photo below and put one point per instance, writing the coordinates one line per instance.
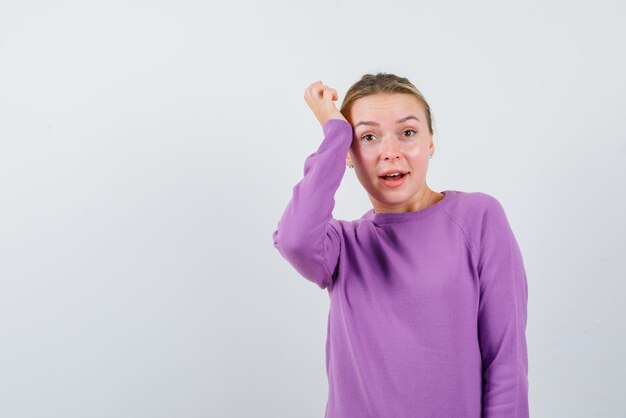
(428, 292)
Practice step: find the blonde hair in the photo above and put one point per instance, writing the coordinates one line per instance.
(383, 83)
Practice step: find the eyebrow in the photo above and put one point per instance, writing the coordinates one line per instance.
(404, 119)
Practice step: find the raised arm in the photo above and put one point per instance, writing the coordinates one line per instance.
(305, 236)
(502, 316)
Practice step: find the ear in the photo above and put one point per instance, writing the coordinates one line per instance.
(348, 160)
(431, 147)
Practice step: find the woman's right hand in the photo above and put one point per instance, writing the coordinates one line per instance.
(320, 99)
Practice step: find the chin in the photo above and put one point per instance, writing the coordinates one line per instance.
(395, 199)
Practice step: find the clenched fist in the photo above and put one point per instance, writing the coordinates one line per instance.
(320, 99)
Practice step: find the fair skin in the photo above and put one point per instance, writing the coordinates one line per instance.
(384, 145)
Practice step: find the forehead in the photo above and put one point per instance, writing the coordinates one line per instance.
(386, 108)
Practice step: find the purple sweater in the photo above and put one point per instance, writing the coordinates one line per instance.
(427, 309)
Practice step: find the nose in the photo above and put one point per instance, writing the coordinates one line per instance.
(391, 148)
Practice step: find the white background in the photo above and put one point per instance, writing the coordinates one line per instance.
(148, 149)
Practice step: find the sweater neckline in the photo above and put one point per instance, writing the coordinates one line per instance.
(400, 217)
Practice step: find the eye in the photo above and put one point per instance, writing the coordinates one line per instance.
(365, 136)
(410, 130)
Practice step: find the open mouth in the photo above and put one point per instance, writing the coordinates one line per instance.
(393, 176)
(394, 180)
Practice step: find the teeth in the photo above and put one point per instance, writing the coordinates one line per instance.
(392, 175)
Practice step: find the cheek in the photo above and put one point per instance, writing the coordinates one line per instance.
(365, 159)
(367, 168)
(418, 156)
(415, 153)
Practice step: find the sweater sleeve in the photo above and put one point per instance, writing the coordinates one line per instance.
(306, 236)
(502, 315)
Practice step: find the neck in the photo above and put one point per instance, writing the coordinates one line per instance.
(426, 198)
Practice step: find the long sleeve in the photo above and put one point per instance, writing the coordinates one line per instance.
(306, 236)
(502, 316)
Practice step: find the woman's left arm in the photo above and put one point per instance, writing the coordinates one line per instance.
(502, 315)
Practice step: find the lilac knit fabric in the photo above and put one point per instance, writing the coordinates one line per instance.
(428, 309)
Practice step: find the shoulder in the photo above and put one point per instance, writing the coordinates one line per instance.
(344, 225)
(472, 209)
(480, 215)
(348, 230)
(474, 201)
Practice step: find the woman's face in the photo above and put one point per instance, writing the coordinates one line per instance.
(391, 134)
